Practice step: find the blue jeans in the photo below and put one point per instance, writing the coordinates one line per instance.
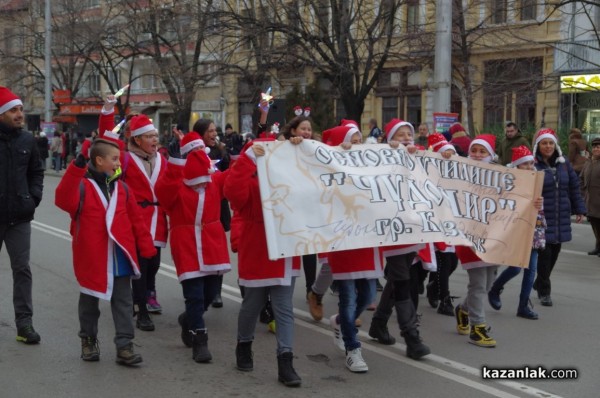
(198, 294)
(355, 296)
(528, 277)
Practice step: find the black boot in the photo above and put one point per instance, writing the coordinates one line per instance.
(379, 331)
(200, 351)
(415, 348)
(595, 252)
(243, 356)
(287, 374)
(432, 294)
(144, 322)
(186, 336)
(446, 307)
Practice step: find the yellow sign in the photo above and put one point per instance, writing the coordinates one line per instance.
(579, 83)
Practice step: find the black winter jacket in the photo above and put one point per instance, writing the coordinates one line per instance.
(21, 176)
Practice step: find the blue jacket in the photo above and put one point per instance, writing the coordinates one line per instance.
(562, 198)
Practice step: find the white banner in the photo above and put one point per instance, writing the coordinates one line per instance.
(317, 198)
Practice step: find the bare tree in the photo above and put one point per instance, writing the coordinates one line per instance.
(345, 42)
(180, 38)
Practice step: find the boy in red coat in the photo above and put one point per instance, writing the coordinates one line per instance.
(105, 221)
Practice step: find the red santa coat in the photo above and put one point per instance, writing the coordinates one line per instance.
(142, 185)
(254, 267)
(468, 258)
(198, 241)
(100, 225)
(427, 254)
(355, 264)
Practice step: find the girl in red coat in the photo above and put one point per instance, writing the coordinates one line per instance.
(106, 221)
(142, 165)
(355, 272)
(259, 275)
(192, 195)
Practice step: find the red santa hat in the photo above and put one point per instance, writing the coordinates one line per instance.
(488, 141)
(548, 133)
(307, 111)
(393, 125)
(297, 110)
(520, 155)
(8, 100)
(438, 143)
(336, 135)
(348, 122)
(197, 168)
(456, 128)
(140, 124)
(189, 142)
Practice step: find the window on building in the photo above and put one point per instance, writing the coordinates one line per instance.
(400, 95)
(498, 10)
(94, 83)
(412, 16)
(528, 10)
(510, 90)
(323, 17)
(413, 109)
(597, 18)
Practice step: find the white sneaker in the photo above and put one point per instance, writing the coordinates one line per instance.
(338, 341)
(355, 361)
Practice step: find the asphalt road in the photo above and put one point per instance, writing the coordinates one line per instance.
(564, 337)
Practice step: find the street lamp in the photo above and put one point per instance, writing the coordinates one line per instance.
(47, 65)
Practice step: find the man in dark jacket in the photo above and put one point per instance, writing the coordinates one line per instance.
(513, 139)
(21, 184)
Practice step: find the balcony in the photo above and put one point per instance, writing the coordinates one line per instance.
(577, 56)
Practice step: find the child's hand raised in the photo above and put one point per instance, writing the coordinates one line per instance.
(178, 134)
(109, 103)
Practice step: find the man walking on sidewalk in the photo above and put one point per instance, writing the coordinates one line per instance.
(21, 184)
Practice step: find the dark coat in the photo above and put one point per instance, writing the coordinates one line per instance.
(42, 144)
(562, 198)
(21, 176)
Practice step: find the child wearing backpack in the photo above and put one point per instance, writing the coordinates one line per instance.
(106, 221)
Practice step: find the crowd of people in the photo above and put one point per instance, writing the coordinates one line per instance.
(124, 198)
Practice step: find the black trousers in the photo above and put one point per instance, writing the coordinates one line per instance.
(546, 260)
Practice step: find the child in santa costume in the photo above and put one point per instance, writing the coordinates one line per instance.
(470, 315)
(106, 221)
(191, 192)
(141, 164)
(444, 256)
(355, 272)
(399, 259)
(522, 158)
(257, 274)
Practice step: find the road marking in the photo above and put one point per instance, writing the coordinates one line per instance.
(234, 295)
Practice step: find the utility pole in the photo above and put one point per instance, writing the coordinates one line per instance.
(47, 65)
(442, 72)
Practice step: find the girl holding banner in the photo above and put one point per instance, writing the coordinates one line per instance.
(257, 274)
(355, 272)
(470, 315)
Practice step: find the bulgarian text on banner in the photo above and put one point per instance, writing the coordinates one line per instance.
(317, 198)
